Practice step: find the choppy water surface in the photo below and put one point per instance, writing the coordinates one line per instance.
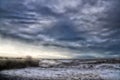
(95, 72)
(82, 28)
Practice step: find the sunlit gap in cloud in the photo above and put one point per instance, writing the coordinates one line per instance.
(10, 48)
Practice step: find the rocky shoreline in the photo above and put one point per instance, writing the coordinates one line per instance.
(63, 69)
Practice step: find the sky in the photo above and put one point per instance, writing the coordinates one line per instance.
(60, 28)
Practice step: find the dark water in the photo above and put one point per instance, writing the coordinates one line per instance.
(81, 25)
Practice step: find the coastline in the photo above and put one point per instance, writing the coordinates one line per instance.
(66, 69)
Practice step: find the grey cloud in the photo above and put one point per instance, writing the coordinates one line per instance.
(74, 24)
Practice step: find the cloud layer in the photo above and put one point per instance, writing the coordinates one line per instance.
(90, 26)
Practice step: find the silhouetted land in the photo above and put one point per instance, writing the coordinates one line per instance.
(14, 63)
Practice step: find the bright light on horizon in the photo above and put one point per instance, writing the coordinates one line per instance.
(9, 48)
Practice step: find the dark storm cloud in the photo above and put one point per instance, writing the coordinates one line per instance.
(74, 24)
